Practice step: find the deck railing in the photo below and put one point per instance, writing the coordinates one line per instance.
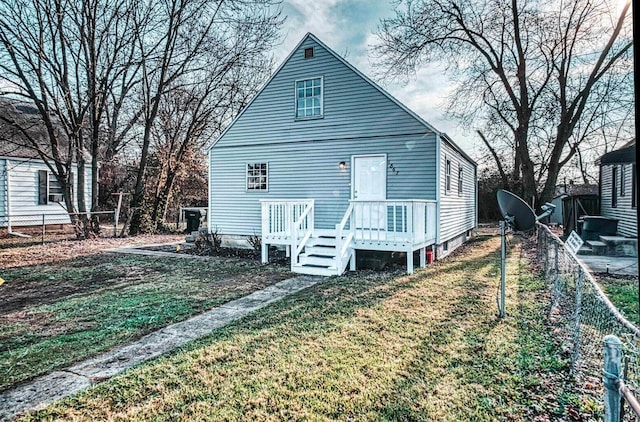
(409, 221)
(344, 249)
(301, 231)
(279, 216)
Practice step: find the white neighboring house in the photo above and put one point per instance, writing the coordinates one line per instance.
(30, 195)
(618, 188)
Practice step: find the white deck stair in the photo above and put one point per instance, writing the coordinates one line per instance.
(320, 256)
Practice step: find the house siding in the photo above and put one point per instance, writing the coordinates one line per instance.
(23, 190)
(623, 212)
(301, 170)
(457, 212)
(353, 108)
(303, 155)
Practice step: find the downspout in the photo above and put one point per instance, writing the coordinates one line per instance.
(209, 227)
(475, 185)
(438, 170)
(8, 199)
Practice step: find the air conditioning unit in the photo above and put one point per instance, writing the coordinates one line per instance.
(56, 197)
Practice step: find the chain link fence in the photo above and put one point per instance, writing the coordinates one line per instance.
(585, 315)
(28, 229)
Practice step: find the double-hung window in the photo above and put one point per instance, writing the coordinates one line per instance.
(309, 96)
(49, 189)
(460, 180)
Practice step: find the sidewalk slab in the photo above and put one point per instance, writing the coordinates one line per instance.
(49, 388)
(41, 392)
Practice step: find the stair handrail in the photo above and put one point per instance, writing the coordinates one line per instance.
(342, 247)
(295, 247)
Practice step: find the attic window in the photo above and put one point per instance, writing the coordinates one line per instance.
(308, 53)
(309, 98)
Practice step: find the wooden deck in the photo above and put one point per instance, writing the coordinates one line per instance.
(391, 225)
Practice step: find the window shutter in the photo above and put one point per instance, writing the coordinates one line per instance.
(43, 184)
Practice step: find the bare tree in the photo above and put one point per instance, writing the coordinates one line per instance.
(65, 57)
(535, 73)
(191, 116)
(189, 37)
(98, 72)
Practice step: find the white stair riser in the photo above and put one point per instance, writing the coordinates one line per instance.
(322, 241)
(315, 270)
(320, 250)
(317, 260)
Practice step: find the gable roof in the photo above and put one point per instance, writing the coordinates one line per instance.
(20, 122)
(626, 154)
(357, 72)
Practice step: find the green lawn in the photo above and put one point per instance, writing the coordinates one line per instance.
(54, 315)
(623, 293)
(367, 346)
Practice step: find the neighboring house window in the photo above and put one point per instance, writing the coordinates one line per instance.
(447, 177)
(49, 189)
(614, 186)
(460, 180)
(634, 185)
(309, 98)
(623, 180)
(257, 176)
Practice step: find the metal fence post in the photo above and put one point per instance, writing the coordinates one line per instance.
(611, 375)
(555, 264)
(546, 255)
(577, 322)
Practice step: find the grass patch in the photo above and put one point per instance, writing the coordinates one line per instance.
(369, 346)
(55, 315)
(623, 293)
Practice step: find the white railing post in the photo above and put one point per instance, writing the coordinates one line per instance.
(288, 219)
(338, 246)
(294, 246)
(410, 222)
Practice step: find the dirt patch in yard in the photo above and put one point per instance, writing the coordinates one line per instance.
(12, 257)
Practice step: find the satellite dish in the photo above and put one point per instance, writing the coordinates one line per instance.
(517, 213)
(519, 216)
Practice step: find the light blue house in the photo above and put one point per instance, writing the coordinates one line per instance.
(324, 161)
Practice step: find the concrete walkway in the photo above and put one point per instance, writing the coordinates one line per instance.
(49, 388)
(617, 265)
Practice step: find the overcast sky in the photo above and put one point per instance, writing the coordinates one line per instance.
(347, 26)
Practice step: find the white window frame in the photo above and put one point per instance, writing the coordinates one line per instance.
(295, 99)
(52, 182)
(447, 175)
(460, 176)
(266, 176)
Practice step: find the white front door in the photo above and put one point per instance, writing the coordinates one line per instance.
(370, 184)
